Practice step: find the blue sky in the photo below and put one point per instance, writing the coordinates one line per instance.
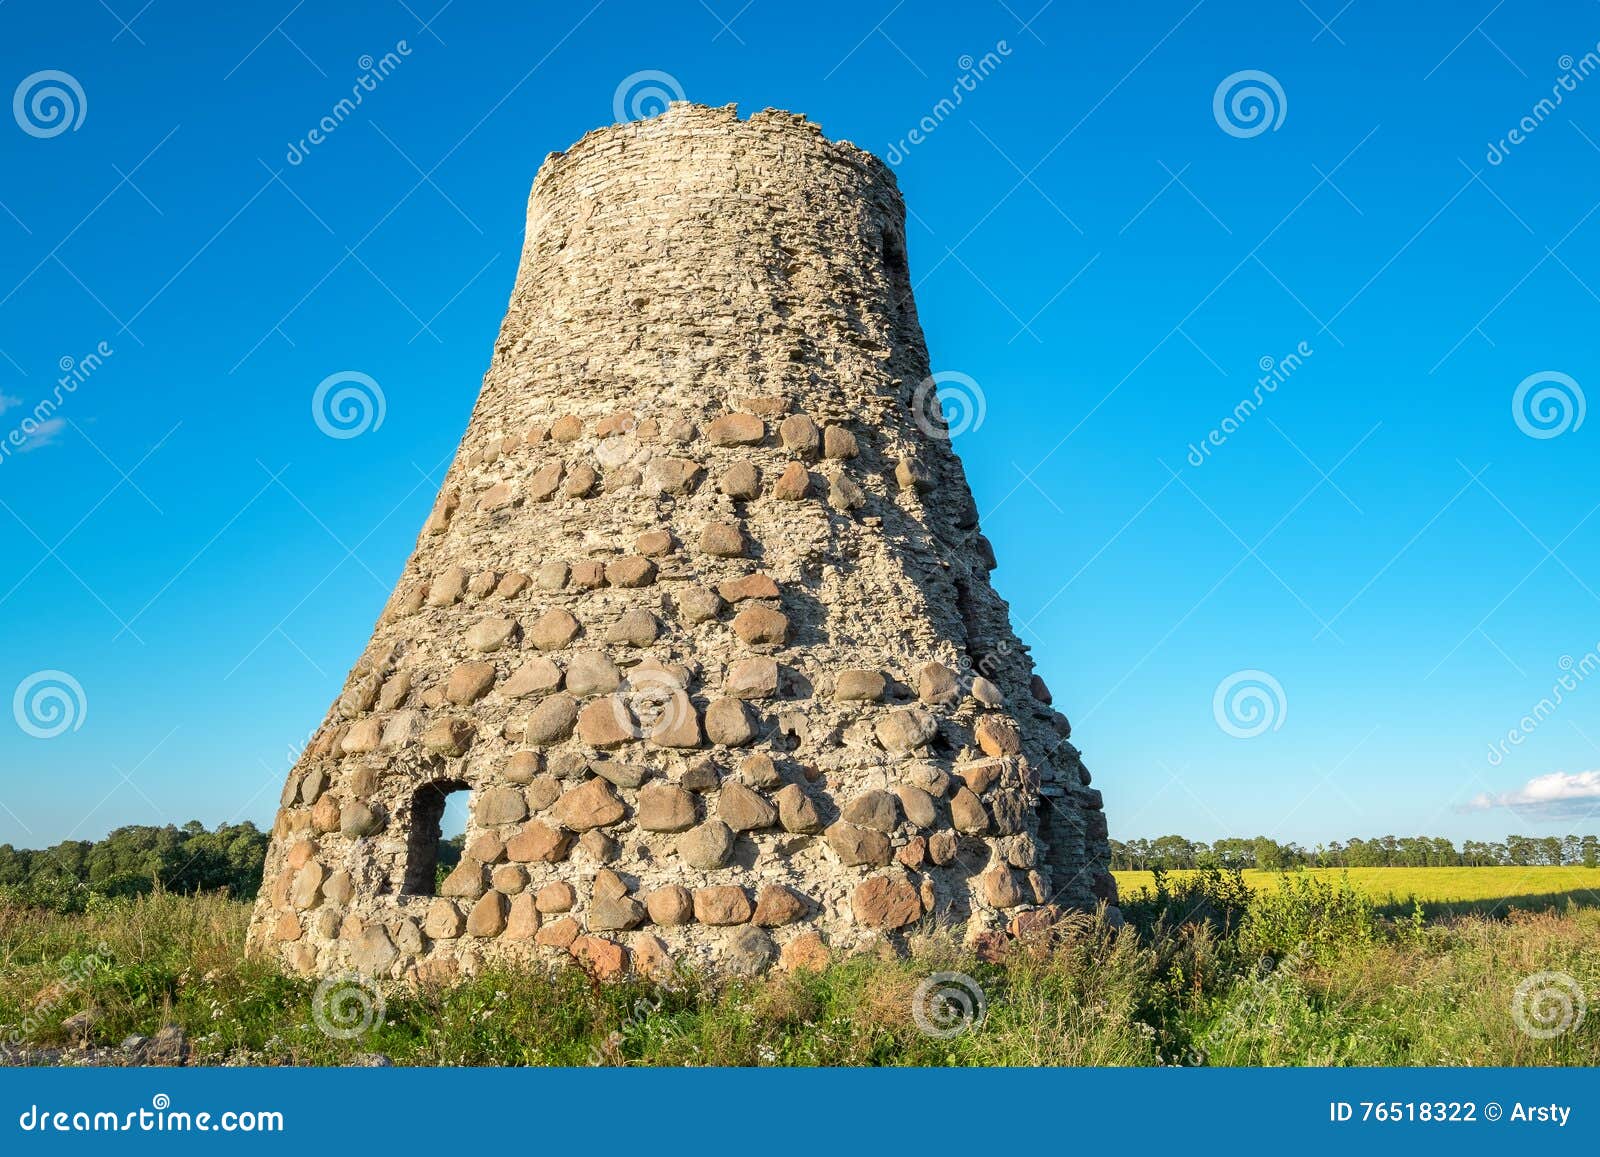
(1103, 254)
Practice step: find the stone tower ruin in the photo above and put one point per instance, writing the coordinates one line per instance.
(701, 618)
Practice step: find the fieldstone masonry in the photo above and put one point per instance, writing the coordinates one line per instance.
(702, 615)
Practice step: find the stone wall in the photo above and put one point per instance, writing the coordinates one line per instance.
(702, 615)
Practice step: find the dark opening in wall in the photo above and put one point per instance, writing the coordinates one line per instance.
(894, 261)
(1045, 812)
(427, 848)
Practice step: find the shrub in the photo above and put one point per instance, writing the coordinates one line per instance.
(1306, 912)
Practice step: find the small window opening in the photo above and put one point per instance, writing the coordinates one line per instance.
(894, 256)
(893, 250)
(438, 834)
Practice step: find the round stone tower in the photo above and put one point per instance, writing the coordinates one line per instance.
(701, 618)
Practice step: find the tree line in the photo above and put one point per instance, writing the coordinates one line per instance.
(1169, 852)
(137, 859)
(134, 860)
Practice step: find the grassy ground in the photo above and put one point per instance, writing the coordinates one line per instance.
(1439, 890)
(1184, 984)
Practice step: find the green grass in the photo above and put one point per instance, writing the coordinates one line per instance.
(1184, 983)
(1439, 890)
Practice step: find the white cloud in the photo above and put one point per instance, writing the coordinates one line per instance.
(1560, 795)
(44, 434)
(7, 401)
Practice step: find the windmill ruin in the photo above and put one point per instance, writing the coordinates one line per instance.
(701, 618)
